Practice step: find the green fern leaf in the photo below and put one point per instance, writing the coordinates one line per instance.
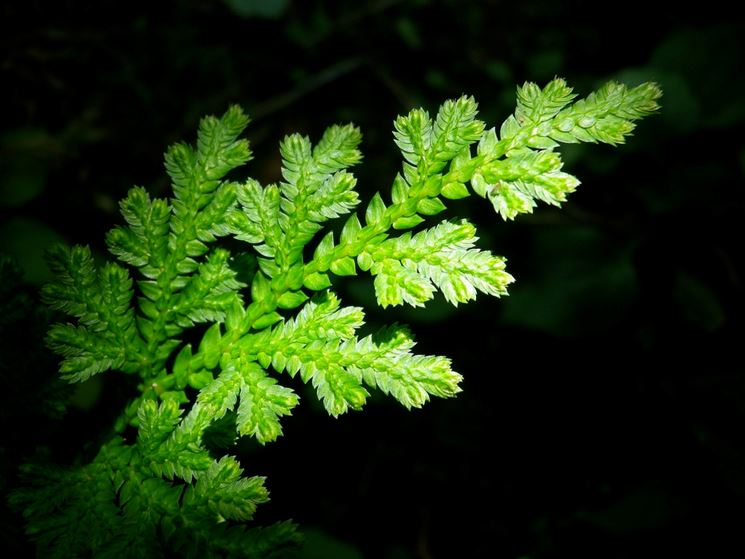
(224, 494)
(455, 127)
(164, 492)
(606, 115)
(209, 293)
(386, 363)
(144, 242)
(536, 105)
(262, 403)
(513, 185)
(107, 336)
(408, 268)
(413, 135)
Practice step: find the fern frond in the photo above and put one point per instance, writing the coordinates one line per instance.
(322, 318)
(456, 127)
(413, 135)
(144, 242)
(338, 149)
(165, 492)
(282, 220)
(409, 378)
(321, 345)
(544, 117)
(156, 423)
(181, 455)
(513, 185)
(258, 222)
(74, 512)
(429, 146)
(262, 403)
(209, 293)
(606, 115)
(100, 299)
(337, 369)
(166, 240)
(408, 268)
(536, 105)
(223, 494)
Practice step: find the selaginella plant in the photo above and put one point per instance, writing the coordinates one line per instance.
(271, 311)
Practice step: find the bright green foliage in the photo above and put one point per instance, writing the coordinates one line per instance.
(106, 337)
(409, 268)
(531, 170)
(164, 490)
(321, 345)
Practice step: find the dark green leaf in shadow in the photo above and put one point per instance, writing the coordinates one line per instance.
(580, 282)
(319, 545)
(26, 240)
(546, 64)
(267, 9)
(644, 508)
(409, 33)
(697, 303)
(23, 170)
(86, 394)
(710, 61)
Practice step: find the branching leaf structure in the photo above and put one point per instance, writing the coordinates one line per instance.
(164, 489)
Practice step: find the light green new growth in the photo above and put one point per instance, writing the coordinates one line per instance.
(165, 490)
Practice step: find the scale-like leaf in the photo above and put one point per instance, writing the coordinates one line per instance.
(408, 268)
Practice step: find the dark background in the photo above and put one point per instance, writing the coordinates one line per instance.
(603, 402)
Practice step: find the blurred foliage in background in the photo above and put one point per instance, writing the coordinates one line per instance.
(613, 426)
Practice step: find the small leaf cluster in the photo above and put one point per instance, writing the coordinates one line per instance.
(165, 489)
